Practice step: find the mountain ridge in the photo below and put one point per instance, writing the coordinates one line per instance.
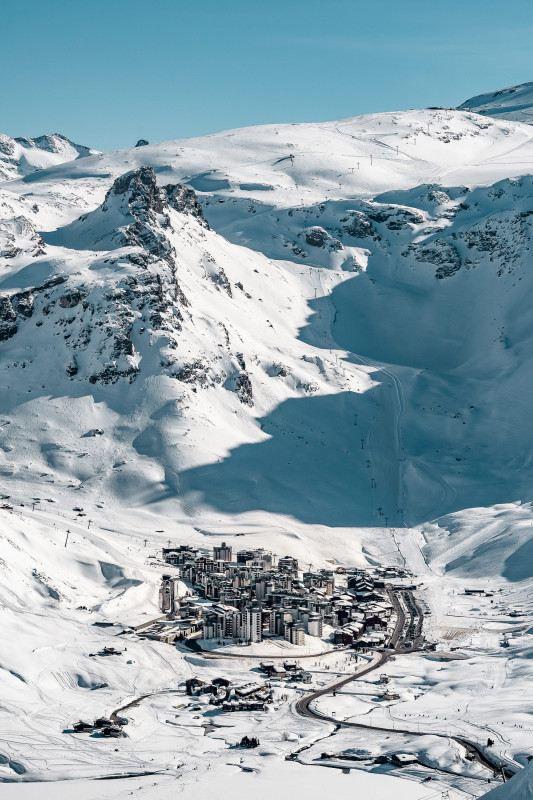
(514, 103)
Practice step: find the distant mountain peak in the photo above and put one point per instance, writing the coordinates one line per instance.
(22, 155)
(514, 103)
(55, 143)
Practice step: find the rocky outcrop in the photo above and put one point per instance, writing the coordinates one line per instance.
(358, 225)
(17, 237)
(8, 328)
(244, 389)
(319, 237)
(13, 309)
(183, 199)
(143, 193)
(70, 298)
(100, 324)
(441, 253)
(23, 303)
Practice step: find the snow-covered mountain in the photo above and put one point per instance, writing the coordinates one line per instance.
(22, 155)
(315, 336)
(298, 311)
(514, 103)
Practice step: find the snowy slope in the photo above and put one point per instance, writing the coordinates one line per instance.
(305, 335)
(514, 103)
(307, 254)
(519, 788)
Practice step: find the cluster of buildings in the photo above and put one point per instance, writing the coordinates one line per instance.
(252, 595)
(102, 726)
(249, 697)
(288, 670)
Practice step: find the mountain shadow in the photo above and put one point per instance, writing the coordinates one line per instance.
(315, 466)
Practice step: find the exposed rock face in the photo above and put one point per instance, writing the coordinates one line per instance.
(8, 328)
(140, 197)
(221, 280)
(142, 143)
(319, 237)
(441, 253)
(316, 237)
(144, 194)
(23, 304)
(7, 145)
(17, 237)
(244, 389)
(13, 310)
(183, 199)
(194, 373)
(102, 325)
(359, 225)
(70, 299)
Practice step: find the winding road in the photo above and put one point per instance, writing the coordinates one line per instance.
(303, 707)
(402, 642)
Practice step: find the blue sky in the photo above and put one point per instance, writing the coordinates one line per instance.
(107, 72)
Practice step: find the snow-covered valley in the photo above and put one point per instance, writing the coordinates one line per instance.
(315, 338)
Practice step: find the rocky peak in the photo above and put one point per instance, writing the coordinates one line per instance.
(183, 199)
(141, 189)
(143, 196)
(137, 198)
(7, 145)
(55, 143)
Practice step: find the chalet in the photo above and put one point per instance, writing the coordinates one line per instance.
(244, 705)
(375, 623)
(354, 628)
(290, 666)
(248, 689)
(390, 694)
(82, 727)
(102, 722)
(343, 636)
(220, 682)
(403, 759)
(278, 673)
(208, 689)
(192, 685)
(112, 731)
